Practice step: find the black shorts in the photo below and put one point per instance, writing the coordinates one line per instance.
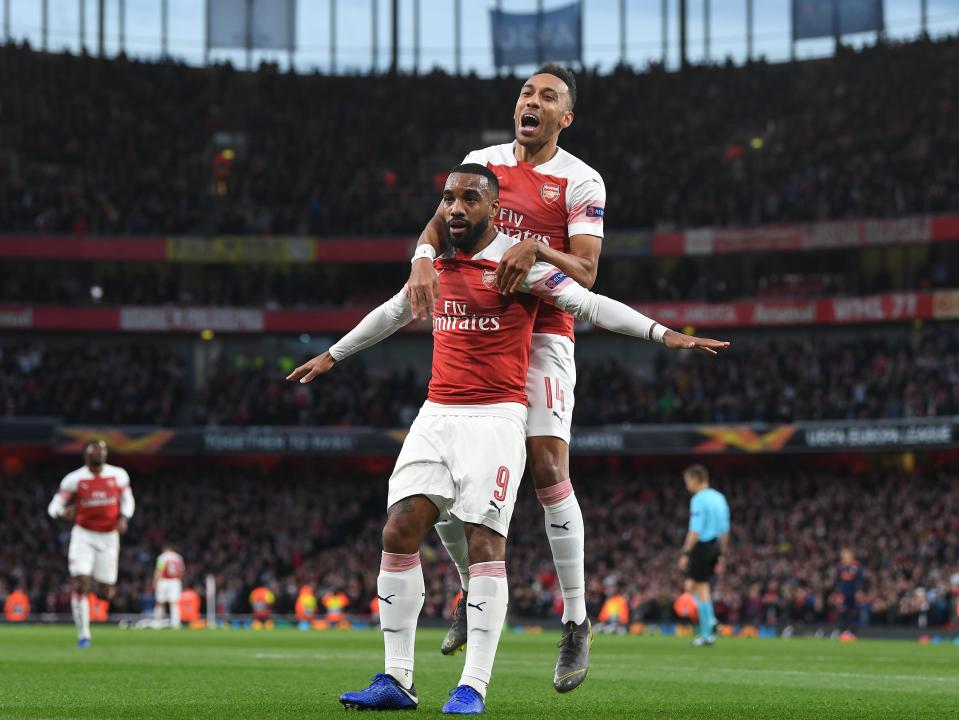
(702, 561)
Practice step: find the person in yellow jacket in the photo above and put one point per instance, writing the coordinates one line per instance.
(335, 603)
(16, 608)
(306, 604)
(262, 600)
(615, 611)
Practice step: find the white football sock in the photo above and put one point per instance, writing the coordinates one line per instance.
(80, 605)
(175, 614)
(401, 590)
(157, 612)
(453, 535)
(485, 614)
(564, 528)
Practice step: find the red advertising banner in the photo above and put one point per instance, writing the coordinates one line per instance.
(808, 236)
(84, 247)
(227, 249)
(357, 250)
(891, 307)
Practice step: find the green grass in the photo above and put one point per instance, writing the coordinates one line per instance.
(290, 674)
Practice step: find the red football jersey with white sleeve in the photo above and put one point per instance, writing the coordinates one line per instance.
(550, 203)
(480, 337)
(97, 496)
(170, 566)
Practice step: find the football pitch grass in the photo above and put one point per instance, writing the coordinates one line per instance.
(291, 674)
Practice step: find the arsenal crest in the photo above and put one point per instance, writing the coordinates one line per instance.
(489, 278)
(550, 192)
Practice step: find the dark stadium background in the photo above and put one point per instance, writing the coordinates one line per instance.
(174, 239)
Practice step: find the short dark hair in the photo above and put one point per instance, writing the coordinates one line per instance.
(698, 471)
(477, 169)
(564, 74)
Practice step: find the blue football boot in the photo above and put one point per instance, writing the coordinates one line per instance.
(464, 700)
(384, 693)
(83, 643)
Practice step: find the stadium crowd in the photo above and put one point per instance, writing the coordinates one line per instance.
(116, 382)
(900, 375)
(111, 146)
(291, 525)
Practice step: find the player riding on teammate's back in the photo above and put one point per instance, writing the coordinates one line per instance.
(554, 205)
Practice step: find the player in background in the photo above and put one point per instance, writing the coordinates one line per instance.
(705, 543)
(168, 585)
(554, 204)
(465, 453)
(97, 498)
(849, 581)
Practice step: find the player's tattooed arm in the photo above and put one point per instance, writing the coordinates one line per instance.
(580, 263)
(423, 285)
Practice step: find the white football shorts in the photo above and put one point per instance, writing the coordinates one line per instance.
(168, 590)
(550, 385)
(96, 554)
(467, 459)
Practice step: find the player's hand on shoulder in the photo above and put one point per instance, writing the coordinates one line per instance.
(309, 370)
(122, 525)
(515, 266)
(423, 288)
(678, 341)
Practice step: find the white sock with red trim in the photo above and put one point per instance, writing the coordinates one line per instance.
(485, 614)
(400, 590)
(564, 528)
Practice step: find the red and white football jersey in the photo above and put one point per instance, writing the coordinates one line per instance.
(170, 566)
(97, 496)
(549, 203)
(481, 338)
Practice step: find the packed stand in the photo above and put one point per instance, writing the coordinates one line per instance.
(129, 147)
(781, 378)
(293, 525)
(92, 382)
(242, 391)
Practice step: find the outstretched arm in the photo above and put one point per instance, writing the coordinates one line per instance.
(554, 286)
(378, 325)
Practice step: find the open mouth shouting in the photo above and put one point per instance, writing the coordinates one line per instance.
(529, 123)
